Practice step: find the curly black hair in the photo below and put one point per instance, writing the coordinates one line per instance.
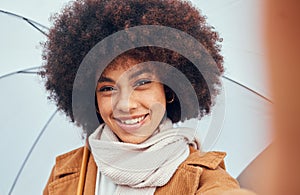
(84, 23)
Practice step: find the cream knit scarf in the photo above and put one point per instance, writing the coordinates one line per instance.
(140, 168)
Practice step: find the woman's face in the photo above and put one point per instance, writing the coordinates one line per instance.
(131, 100)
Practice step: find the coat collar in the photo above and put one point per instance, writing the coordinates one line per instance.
(184, 181)
(210, 160)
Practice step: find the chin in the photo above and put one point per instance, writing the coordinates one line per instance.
(134, 139)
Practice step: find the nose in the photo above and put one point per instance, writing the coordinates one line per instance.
(124, 101)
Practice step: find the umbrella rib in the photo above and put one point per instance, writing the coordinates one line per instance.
(35, 26)
(27, 70)
(31, 150)
(248, 88)
(29, 21)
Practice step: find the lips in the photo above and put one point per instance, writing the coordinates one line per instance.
(133, 121)
(131, 124)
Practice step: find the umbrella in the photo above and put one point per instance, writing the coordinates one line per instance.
(34, 132)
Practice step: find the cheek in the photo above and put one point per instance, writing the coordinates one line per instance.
(160, 95)
(154, 97)
(104, 106)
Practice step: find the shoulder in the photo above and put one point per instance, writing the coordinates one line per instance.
(69, 162)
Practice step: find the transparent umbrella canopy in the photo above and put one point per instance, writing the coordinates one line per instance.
(34, 132)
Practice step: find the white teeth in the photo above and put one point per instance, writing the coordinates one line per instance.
(133, 121)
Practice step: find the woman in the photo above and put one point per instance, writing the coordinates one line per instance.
(137, 97)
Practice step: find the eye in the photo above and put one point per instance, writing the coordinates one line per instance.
(142, 82)
(106, 89)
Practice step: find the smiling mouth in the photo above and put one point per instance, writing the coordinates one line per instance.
(132, 121)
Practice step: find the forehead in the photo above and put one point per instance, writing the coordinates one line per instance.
(131, 66)
(120, 63)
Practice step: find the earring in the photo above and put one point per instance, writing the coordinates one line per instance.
(172, 99)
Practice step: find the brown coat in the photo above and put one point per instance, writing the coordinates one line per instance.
(200, 173)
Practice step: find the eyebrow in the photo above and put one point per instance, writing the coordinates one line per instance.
(139, 72)
(133, 75)
(105, 79)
